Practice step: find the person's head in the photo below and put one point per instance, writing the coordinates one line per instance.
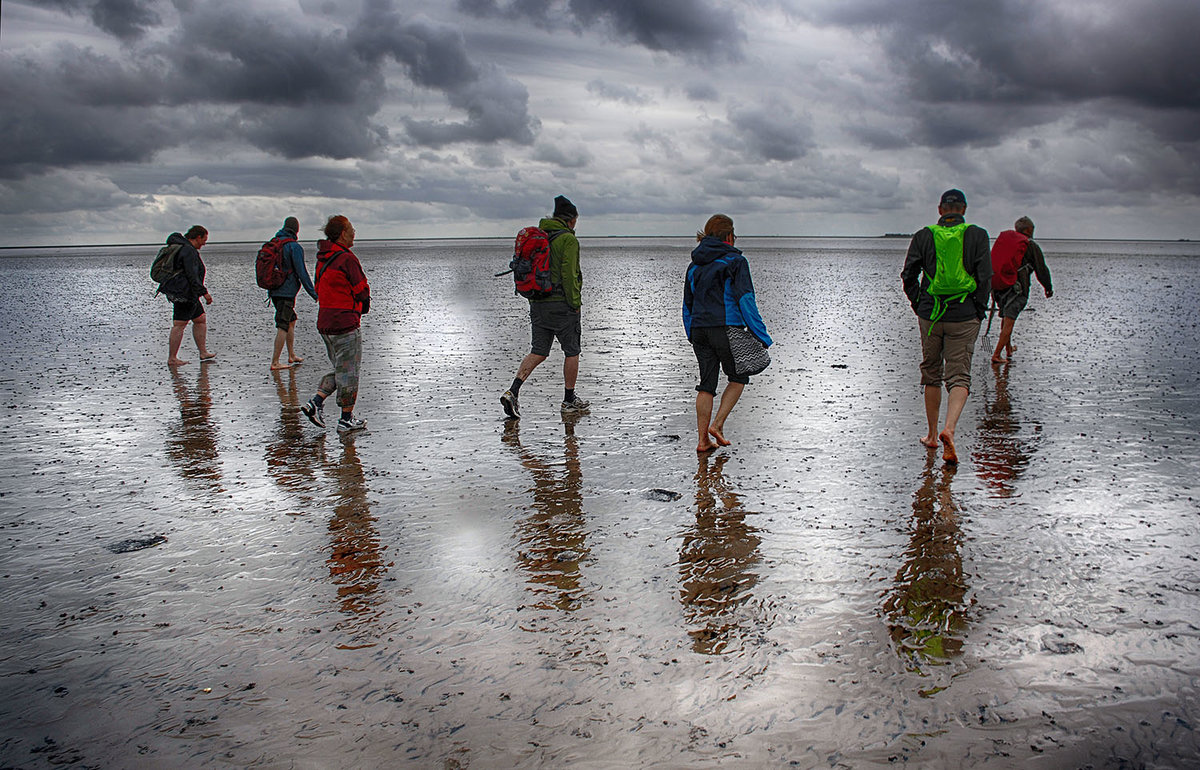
(720, 227)
(565, 211)
(197, 236)
(1024, 226)
(339, 230)
(953, 202)
(291, 223)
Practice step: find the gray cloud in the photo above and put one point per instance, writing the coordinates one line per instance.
(617, 92)
(123, 19)
(770, 131)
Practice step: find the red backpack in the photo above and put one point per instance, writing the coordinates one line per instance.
(1007, 254)
(270, 268)
(530, 264)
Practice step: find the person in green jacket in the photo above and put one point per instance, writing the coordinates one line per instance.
(556, 316)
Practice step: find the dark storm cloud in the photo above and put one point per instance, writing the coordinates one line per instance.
(692, 27)
(228, 73)
(1022, 54)
(124, 19)
(771, 131)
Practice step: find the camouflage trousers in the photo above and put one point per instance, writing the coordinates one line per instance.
(345, 353)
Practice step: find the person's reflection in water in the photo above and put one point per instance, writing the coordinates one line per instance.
(717, 561)
(356, 559)
(192, 443)
(926, 608)
(291, 452)
(1002, 454)
(551, 540)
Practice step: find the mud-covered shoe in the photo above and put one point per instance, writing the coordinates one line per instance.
(314, 413)
(351, 423)
(577, 406)
(512, 408)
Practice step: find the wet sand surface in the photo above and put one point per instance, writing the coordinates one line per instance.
(192, 575)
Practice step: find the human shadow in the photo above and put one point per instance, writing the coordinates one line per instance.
(926, 607)
(356, 555)
(552, 539)
(293, 454)
(717, 560)
(1001, 454)
(191, 443)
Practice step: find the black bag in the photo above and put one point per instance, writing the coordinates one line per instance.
(166, 265)
(749, 354)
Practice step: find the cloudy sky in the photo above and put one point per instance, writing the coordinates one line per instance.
(123, 120)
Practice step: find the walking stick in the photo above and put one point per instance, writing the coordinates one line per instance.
(991, 315)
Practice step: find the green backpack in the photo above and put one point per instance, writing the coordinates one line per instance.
(951, 282)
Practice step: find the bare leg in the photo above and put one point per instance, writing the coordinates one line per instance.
(570, 371)
(291, 344)
(280, 338)
(200, 334)
(733, 391)
(1005, 341)
(954, 407)
(704, 405)
(173, 343)
(527, 366)
(933, 406)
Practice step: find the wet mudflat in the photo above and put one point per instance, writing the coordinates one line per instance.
(193, 575)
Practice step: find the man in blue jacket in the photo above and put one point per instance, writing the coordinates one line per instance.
(284, 298)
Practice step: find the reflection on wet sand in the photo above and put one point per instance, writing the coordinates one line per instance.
(291, 453)
(926, 608)
(191, 444)
(716, 564)
(1001, 455)
(551, 540)
(356, 556)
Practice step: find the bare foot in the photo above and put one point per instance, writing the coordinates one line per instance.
(997, 360)
(277, 367)
(930, 441)
(948, 453)
(295, 360)
(207, 357)
(720, 437)
(176, 362)
(705, 446)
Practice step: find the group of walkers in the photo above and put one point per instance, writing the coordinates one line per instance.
(949, 276)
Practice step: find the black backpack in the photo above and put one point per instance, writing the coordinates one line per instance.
(166, 265)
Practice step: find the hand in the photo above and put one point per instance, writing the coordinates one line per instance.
(207, 298)
(1049, 293)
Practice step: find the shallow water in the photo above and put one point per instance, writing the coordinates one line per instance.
(193, 575)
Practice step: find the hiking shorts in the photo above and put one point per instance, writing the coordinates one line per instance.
(345, 353)
(189, 310)
(550, 320)
(285, 312)
(711, 344)
(946, 352)
(1010, 302)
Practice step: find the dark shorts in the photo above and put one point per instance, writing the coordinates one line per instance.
(1010, 302)
(285, 312)
(711, 344)
(187, 311)
(551, 320)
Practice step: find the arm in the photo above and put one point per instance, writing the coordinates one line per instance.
(359, 288)
(571, 275)
(914, 263)
(191, 268)
(743, 290)
(977, 258)
(296, 252)
(1034, 254)
(688, 296)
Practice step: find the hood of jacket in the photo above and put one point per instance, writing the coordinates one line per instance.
(285, 233)
(710, 249)
(550, 224)
(178, 238)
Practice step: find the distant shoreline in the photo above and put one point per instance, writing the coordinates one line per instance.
(885, 236)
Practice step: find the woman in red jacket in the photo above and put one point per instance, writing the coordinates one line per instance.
(344, 297)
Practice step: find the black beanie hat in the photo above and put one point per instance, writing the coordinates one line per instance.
(564, 208)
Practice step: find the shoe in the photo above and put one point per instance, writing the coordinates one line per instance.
(314, 413)
(511, 407)
(578, 406)
(352, 423)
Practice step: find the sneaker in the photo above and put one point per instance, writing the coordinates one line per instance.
(314, 413)
(352, 423)
(578, 406)
(511, 407)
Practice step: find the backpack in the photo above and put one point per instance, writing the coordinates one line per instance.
(165, 265)
(270, 268)
(1007, 255)
(951, 282)
(530, 264)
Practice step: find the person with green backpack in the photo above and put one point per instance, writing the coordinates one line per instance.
(947, 277)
